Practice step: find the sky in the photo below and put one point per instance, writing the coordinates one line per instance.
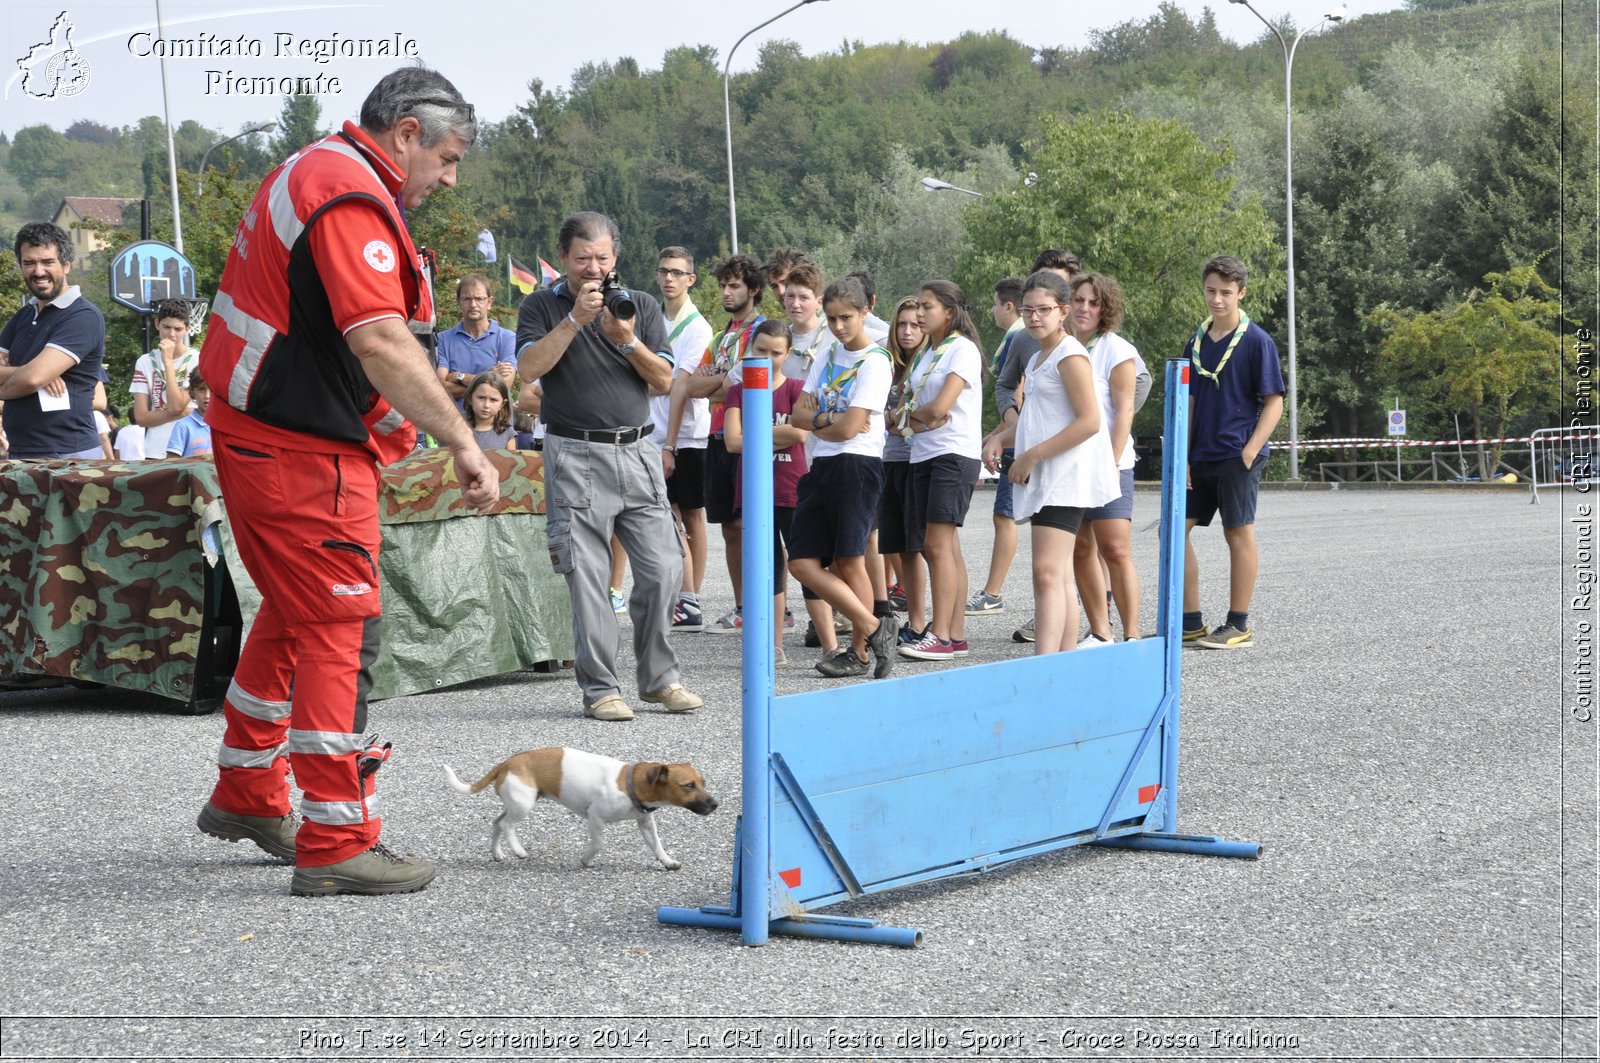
(491, 49)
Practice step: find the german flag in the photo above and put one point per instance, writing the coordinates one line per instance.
(520, 277)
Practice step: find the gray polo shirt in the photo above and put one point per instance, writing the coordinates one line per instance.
(593, 385)
(1009, 378)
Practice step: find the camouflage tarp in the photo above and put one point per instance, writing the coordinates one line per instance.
(106, 560)
(101, 571)
(462, 599)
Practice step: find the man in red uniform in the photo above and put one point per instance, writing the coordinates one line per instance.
(314, 366)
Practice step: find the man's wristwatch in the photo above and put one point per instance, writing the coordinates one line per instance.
(670, 450)
(628, 348)
(460, 377)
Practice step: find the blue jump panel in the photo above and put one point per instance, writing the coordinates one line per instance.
(965, 769)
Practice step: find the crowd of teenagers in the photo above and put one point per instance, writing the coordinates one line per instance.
(878, 441)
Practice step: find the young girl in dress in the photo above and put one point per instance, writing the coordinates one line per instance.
(943, 414)
(1063, 462)
(488, 410)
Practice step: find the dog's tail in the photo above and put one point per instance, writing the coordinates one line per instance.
(477, 787)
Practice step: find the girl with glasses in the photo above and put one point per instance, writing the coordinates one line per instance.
(1063, 462)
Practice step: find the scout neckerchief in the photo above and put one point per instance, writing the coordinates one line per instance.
(1215, 376)
(903, 423)
(1005, 347)
(680, 326)
(832, 386)
(810, 353)
(721, 360)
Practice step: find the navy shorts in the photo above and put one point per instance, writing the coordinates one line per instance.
(1002, 491)
(1120, 508)
(941, 493)
(837, 507)
(1226, 485)
(686, 487)
(892, 507)
(721, 468)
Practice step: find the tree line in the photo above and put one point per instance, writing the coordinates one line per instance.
(1441, 162)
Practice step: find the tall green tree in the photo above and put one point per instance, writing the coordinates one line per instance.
(1495, 356)
(1144, 200)
(299, 124)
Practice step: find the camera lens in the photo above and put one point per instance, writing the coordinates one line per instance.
(620, 303)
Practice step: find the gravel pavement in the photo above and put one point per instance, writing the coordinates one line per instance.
(1395, 741)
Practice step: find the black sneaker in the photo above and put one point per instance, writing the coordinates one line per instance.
(842, 665)
(811, 639)
(882, 644)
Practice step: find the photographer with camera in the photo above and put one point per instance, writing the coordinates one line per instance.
(599, 349)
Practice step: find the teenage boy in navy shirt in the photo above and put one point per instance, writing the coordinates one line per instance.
(1235, 401)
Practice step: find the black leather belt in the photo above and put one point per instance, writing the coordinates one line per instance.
(619, 437)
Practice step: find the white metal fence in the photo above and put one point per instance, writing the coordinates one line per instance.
(1564, 457)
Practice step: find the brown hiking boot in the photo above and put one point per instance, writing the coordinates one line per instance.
(272, 834)
(376, 871)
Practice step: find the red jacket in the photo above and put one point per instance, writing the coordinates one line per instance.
(275, 353)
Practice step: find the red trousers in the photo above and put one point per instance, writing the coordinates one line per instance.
(306, 527)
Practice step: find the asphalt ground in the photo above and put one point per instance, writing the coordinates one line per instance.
(1395, 741)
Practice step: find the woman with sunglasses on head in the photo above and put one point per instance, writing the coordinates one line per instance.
(942, 413)
(905, 567)
(1063, 463)
(1106, 532)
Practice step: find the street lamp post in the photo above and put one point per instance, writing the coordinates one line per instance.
(933, 184)
(200, 181)
(727, 117)
(1336, 15)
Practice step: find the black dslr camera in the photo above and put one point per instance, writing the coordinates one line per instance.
(617, 299)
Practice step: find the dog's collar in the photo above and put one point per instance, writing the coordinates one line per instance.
(627, 773)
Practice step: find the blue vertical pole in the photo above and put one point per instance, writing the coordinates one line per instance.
(1174, 519)
(758, 640)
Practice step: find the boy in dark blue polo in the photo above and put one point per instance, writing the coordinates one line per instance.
(1236, 399)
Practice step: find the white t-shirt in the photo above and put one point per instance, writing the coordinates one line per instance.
(1108, 352)
(688, 348)
(863, 379)
(963, 433)
(130, 443)
(804, 348)
(148, 380)
(1084, 476)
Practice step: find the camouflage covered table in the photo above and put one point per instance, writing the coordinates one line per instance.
(102, 573)
(104, 565)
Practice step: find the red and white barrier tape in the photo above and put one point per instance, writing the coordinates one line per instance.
(1367, 444)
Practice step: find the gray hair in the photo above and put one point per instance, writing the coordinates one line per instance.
(588, 225)
(423, 94)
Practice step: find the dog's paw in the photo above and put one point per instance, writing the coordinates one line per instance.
(587, 862)
(671, 865)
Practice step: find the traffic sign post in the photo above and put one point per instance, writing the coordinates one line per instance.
(1397, 428)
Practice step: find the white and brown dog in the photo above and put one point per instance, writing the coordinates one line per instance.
(599, 789)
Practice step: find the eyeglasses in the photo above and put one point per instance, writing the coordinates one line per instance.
(472, 298)
(675, 274)
(1041, 311)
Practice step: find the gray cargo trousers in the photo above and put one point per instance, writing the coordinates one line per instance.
(591, 490)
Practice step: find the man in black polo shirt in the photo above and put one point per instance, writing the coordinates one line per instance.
(602, 473)
(51, 353)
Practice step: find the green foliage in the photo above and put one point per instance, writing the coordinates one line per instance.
(1495, 355)
(1144, 200)
(299, 124)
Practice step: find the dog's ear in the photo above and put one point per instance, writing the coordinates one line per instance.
(658, 775)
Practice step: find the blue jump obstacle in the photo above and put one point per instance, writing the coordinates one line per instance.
(875, 785)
